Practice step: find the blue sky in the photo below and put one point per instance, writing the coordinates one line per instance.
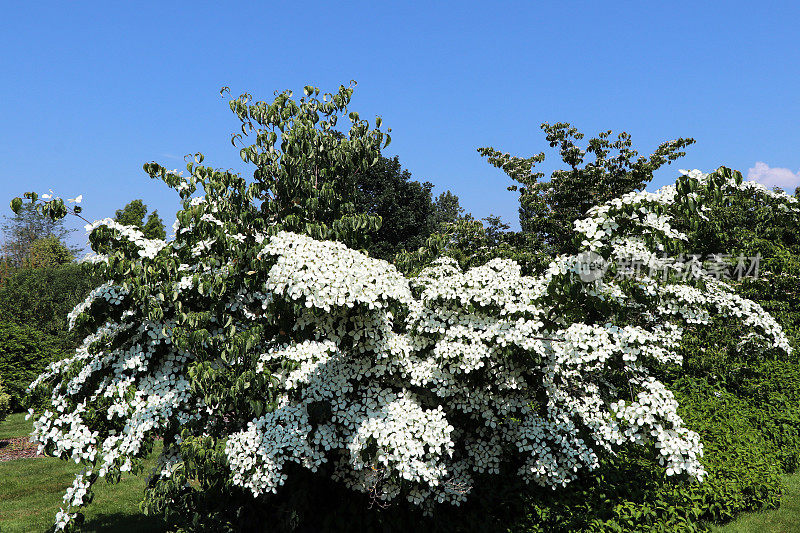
(91, 91)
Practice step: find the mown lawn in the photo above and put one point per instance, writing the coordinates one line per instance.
(15, 426)
(31, 491)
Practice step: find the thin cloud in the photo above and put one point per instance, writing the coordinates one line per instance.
(774, 177)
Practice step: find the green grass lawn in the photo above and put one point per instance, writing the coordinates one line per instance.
(15, 426)
(31, 491)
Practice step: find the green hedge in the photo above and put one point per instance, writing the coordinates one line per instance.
(42, 297)
(5, 402)
(24, 353)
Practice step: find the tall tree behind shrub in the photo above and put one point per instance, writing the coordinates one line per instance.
(409, 215)
(549, 209)
(133, 214)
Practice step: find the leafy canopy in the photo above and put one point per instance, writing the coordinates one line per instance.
(549, 209)
(133, 214)
(406, 208)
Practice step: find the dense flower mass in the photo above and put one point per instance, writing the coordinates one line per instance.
(400, 388)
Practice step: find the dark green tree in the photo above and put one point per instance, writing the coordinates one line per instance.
(408, 214)
(133, 214)
(154, 226)
(605, 169)
(448, 210)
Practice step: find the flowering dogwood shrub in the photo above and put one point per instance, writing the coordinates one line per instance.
(272, 351)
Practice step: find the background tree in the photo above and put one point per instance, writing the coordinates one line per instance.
(42, 297)
(448, 210)
(404, 205)
(47, 252)
(549, 209)
(133, 214)
(408, 213)
(25, 228)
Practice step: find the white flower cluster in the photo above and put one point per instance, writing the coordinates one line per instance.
(146, 247)
(109, 292)
(329, 274)
(396, 387)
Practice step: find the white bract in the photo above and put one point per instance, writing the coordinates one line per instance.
(395, 387)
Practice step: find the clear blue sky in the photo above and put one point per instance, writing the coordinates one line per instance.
(91, 91)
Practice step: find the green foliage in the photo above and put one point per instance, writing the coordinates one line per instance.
(5, 401)
(133, 214)
(24, 353)
(472, 243)
(780, 520)
(47, 252)
(42, 297)
(447, 210)
(549, 209)
(154, 227)
(27, 227)
(744, 226)
(407, 213)
(306, 170)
